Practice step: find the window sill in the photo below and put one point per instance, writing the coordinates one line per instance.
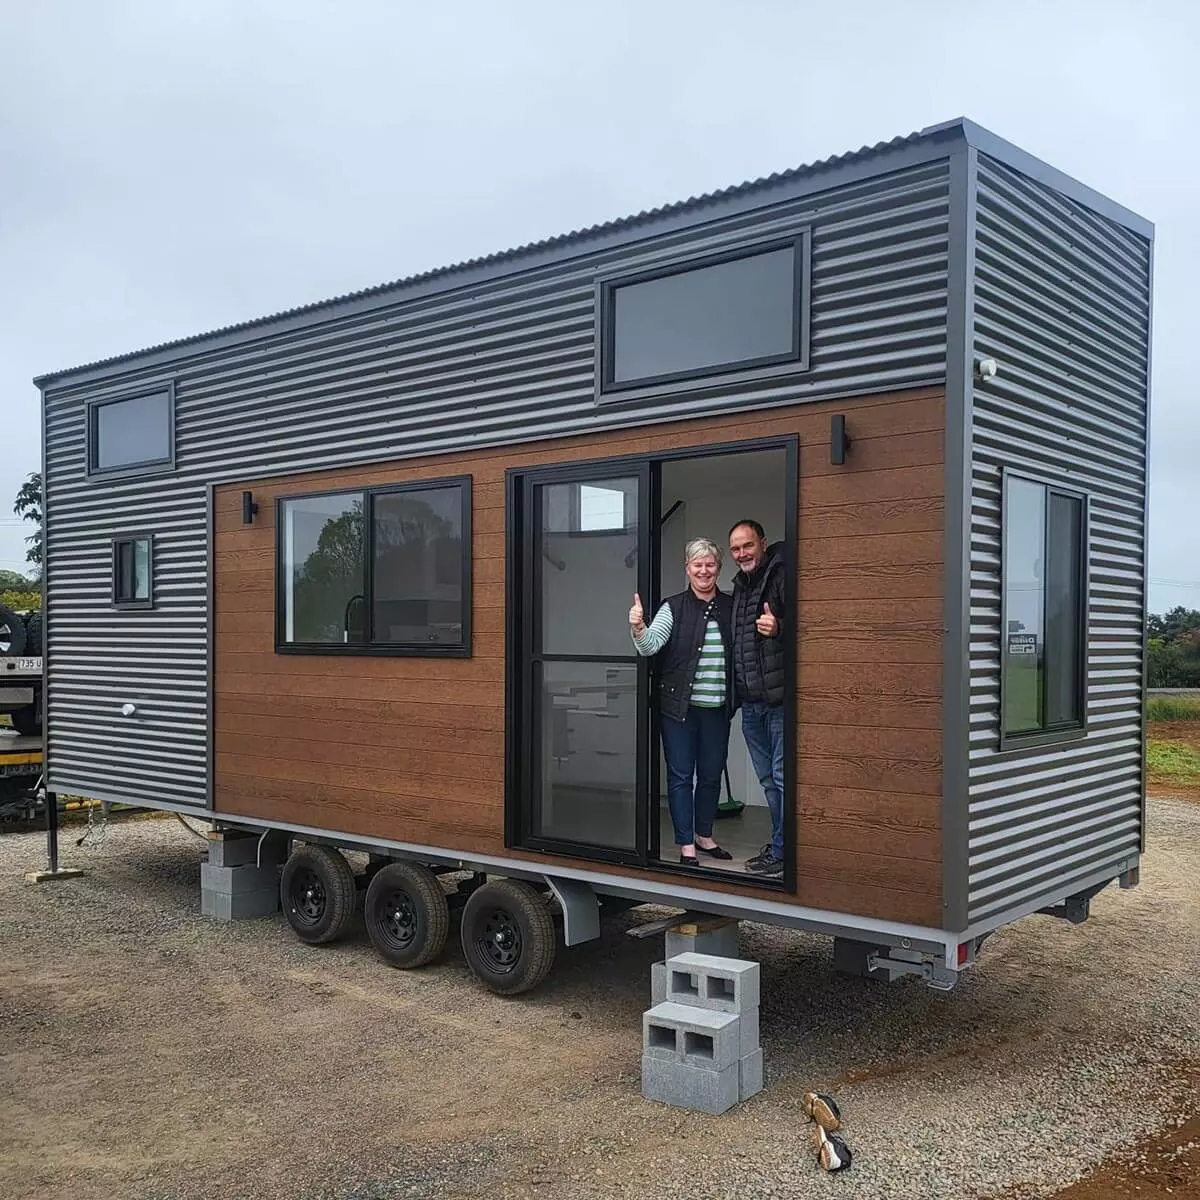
(1012, 742)
(347, 650)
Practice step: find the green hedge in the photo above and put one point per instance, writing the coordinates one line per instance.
(21, 600)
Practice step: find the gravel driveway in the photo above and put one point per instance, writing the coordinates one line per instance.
(151, 1053)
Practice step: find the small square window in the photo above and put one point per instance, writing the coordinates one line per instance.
(132, 573)
(131, 434)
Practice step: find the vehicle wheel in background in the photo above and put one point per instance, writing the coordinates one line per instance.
(406, 914)
(12, 632)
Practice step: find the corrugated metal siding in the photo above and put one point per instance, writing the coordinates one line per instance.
(506, 361)
(1062, 303)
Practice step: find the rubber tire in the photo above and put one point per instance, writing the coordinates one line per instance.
(16, 632)
(33, 635)
(26, 721)
(341, 895)
(531, 915)
(430, 908)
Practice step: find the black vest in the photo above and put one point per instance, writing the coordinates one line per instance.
(760, 662)
(676, 662)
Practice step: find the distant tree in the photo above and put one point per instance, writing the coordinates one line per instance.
(1173, 649)
(14, 581)
(29, 506)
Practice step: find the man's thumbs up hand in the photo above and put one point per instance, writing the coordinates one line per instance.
(768, 623)
(637, 615)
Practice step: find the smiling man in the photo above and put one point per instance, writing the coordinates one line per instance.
(759, 672)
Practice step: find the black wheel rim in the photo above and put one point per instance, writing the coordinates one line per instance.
(499, 941)
(398, 919)
(6, 637)
(308, 897)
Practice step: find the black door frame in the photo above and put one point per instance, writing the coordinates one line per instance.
(520, 610)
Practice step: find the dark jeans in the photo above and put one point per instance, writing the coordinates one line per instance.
(695, 749)
(762, 727)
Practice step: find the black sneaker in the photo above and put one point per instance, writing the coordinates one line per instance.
(763, 853)
(766, 864)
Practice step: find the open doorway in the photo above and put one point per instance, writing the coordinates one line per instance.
(586, 774)
(704, 497)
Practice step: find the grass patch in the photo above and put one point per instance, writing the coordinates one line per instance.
(1173, 708)
(1173, 762)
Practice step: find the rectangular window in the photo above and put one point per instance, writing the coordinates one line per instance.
(132, 584)
(381, 570)
(131, 434)
(1045, 609)
(591, 508)
(736, 311)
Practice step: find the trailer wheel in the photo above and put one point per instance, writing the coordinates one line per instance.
(508, 936)
(318, 894)
(33, 635)
(406, 914)
(12, 632)
(26, 721)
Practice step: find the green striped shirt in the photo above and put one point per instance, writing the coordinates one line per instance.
(708, 686)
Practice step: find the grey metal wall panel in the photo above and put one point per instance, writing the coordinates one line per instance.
(1062, 302)
(505, 360)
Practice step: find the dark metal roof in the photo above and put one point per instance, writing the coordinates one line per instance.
(959, 129)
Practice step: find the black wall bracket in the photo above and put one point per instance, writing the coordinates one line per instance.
(249, 508)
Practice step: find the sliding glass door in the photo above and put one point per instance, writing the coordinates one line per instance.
(584, 710)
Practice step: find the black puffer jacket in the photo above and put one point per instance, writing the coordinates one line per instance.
(759, 663)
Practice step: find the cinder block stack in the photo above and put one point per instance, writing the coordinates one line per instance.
(700, 1047)
(241, 878)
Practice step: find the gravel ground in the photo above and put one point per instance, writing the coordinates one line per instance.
(151, 1053)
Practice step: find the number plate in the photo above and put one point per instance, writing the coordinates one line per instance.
(21, 666)
(29, 664)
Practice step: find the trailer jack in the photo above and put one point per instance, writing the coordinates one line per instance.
(1076, 908)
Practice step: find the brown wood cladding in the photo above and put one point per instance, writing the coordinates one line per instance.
(412, 749)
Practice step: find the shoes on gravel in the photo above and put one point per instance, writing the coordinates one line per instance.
(823, 1109)
(832, 1152)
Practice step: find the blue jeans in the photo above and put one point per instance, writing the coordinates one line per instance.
(762, 727)
(695, 749)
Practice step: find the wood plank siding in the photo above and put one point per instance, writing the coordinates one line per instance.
(412, 749)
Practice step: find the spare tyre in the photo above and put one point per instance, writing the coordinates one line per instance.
(12, 632)
(33, 635)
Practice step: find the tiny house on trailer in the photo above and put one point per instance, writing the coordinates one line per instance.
(357, 576)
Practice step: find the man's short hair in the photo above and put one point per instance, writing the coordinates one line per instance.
(758, 529)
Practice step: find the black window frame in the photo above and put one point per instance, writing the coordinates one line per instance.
(119, 600)
(370, 647)
(795, 360)
(150, 466)
(1068, 731)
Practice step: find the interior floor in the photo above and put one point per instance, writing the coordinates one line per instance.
(743, 835)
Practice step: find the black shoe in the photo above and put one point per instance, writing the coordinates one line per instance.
(689, 860)
(763, 853)
(714, 852)
(767, 865)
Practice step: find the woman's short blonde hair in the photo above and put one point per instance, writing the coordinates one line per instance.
(701, 547)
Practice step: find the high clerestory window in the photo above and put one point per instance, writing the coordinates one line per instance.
(1045, 586)
(131, 435)
(738, 310)
(382, 570)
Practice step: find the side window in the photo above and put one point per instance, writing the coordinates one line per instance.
(131, 434)
(382, 570)
(133, 585)
(1044, 581)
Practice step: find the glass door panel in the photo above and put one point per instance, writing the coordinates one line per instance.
(585, 686)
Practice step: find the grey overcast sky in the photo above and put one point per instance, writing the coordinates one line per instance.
(170, 167)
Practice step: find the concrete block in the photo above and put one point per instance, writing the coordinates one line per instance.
(750, 1075)
(658, 983)
(697, 1036)
(719, 936)
(242, 849)
(685, 1086)
(705, 981)
(224, 906)
(235, 881)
